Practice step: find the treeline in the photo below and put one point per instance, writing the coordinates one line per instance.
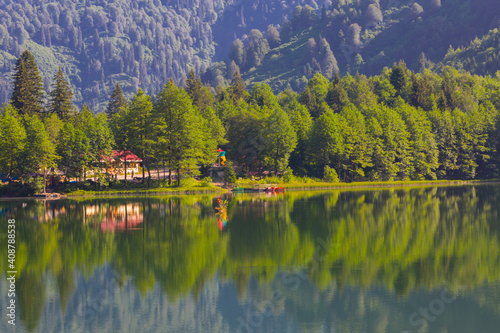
(395, 126)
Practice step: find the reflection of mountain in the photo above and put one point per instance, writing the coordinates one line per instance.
(403, 243)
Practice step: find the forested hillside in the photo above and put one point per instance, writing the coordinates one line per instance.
(138, 43)
(365, 36)
(482, 56)
(144, 43)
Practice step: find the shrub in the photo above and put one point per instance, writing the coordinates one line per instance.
(230, 174)
(206, 182)
(187, 182)
(330, 175)
(288, 175)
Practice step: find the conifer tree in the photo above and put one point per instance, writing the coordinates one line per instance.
(201, 95)
(237, 89)
(61, 96)
(27, 96)
(117, 101)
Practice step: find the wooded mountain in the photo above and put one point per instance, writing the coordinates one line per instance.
(144, 43)
(366, 36)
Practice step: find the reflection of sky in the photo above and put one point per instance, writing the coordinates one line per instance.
(99, 304)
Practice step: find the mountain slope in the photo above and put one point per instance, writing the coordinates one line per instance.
(366, 36)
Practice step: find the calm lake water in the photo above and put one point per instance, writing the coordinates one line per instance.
(410, 260)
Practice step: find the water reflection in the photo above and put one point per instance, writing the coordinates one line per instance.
(349, 261)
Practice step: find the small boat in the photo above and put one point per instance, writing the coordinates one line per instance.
(274, 189)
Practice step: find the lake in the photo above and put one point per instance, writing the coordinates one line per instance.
(390, 260)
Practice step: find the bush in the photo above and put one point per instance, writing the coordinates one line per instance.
(206, 182)
(230, 174)
(187, 182)
(330, 175)
(288, 175)
(35, 185)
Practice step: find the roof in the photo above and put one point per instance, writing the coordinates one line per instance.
(122, 156)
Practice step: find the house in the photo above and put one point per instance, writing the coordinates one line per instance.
(115, 164)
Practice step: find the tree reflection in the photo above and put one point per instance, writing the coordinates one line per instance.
(402, 239)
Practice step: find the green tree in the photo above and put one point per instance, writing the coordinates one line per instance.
(117, 101)
(243, 125)
(390, 139)
(61, 96)
(237, 52)
(237, 88)
(100, 137)
(40, 151)
(280, 138)
(53, 125)
(74, 149)
(141, 129)
(12, 142)
(181, 130)
(423, 147)
(400, 79)
(336, 96)
(301, 121)
(357, 143)
(273, 36)
(201, 95)
(327, 143)
(28, 93)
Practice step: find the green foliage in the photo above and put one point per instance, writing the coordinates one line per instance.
(230, 173)
(117, 101)
(61, 97)
(40, 152)
(206, 182)
(181, 132)
(330, 175)
(74, 149)
(28, 85)
(12, 142)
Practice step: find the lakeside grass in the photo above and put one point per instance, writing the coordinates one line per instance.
(156, 190)
(311, 184)
(301, 184)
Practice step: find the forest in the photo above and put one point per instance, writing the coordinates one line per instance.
(397, 125)
(144, 43)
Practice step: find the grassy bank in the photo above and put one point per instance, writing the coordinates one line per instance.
(310, 184)
(157, 190)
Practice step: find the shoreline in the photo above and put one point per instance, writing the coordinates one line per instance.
(313, 186)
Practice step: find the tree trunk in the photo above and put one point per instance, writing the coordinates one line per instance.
(125, 167)
(158, 173)
(178, 177)
(149, 175)
(44, 180)
(164, 172)
(276, 159)
(169, 174)
(143, 165)
(10, 176)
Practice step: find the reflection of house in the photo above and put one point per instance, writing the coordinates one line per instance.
(115, 164)
(123, 217)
